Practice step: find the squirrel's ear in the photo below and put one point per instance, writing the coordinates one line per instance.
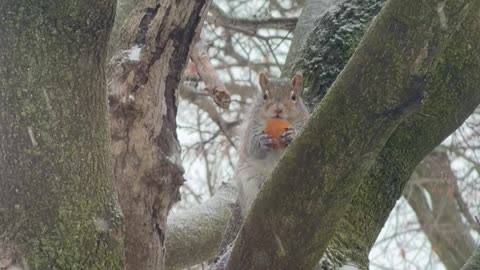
(297, 83)
(263, 81)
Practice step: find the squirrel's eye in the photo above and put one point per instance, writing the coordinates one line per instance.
(265, 96)
(294, 97)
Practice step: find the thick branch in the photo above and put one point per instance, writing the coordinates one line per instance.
(306, 22)
(195, 235)
(452, 96)
(295, 214)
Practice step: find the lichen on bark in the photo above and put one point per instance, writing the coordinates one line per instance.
(331, 44)
(58, 208)
(452, 96)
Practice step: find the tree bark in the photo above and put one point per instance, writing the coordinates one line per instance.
(473, 262)
(296, 213)
(123, 10)
(311, 11)
(143, 99)
(413, 139)
(330, 45)
(452, 96)
(57, 205)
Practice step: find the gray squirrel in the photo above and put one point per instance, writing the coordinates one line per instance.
(259, 152)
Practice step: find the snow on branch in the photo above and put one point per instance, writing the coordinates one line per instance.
(194, 235)
(219, 17)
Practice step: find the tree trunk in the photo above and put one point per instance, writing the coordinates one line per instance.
(57, 205)
(143, 100)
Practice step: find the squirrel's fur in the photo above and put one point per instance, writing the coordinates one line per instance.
(279, 98)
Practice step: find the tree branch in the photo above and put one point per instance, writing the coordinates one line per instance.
(195, 235)
(306, 23)
(452, 97)
(209, 76)
(220, 18)
(295, 214)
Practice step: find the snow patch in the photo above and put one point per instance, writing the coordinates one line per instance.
(441, 15)
(134, 53)
(348, 267)
(32, 136)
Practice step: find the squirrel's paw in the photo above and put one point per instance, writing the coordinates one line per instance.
(266, 141)
(287, 136)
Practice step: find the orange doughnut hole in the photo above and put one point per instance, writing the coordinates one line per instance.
(275, 127)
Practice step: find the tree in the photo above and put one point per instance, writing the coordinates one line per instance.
(412, 139)
(57, 205)
(389, 131)
(143, 107)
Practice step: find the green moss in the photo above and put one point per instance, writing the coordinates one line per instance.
(452, 95)
(332, 43)
(57, 142)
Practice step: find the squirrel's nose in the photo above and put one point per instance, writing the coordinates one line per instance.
(278, 111)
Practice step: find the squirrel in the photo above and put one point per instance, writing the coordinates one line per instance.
(258, 151)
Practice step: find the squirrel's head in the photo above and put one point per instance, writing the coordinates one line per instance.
(281, 98)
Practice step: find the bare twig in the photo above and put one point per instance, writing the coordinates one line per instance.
(218, 17)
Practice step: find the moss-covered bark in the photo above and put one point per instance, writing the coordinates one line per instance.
(330, 45)
(311, 11)
(57, 206)
(327, 49)
(452, 95)
(473, 262)
(296, 213)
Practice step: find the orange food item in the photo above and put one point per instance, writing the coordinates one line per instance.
(275, 127)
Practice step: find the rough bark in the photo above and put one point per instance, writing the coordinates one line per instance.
(473, 262)
(441, 222)
(452, 95)
(143, 100)
(57, 205)
(124, 8)
(311, 11)
(331, 44)
(382, 82)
